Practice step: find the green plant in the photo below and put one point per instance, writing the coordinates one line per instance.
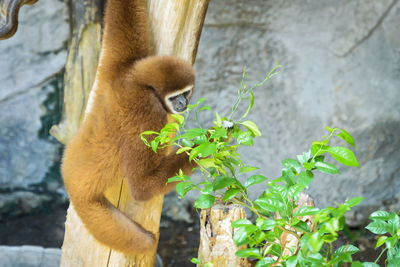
(214, 149)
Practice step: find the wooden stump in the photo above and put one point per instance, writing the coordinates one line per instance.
(216, 236)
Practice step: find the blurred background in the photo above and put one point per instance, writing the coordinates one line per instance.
(341, 68)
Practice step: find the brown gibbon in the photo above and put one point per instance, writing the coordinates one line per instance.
(133, 92)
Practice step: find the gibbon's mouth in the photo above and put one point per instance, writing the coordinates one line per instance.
(179, 103)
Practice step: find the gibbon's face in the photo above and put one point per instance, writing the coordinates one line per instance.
(177, 101)
(170, 78)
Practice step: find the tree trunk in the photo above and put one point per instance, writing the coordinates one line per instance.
(175, 28)
(216, 236)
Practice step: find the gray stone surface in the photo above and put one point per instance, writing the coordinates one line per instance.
(341, 68)
(29, 256)
(28, 61)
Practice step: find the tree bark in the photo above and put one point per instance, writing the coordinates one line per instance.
(175, 30)
(216, 236)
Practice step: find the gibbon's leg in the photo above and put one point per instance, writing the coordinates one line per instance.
(144, 185)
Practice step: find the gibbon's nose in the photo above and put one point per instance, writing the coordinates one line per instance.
(180, 103)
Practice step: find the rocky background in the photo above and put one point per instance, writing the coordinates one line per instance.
(341, 67)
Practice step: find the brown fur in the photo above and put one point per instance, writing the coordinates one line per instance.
(107, 145)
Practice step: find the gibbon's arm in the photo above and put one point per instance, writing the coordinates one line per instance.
(126, 34)
(147, 179)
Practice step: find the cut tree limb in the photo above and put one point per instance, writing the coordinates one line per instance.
(9, 10)
(216, 236)
(175, 30)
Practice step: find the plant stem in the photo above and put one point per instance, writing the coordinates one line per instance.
(377, 259)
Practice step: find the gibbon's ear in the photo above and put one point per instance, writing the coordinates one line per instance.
(177, 101)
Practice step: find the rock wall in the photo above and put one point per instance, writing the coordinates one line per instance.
(341, 68)
(31, 67)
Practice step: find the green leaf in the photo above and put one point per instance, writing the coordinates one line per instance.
(249, 252)
(251, 98)
(309, 165)
(255, 179)
(245, 138)
(187, 143)
(292, 261)
(354, 201)
(291, 163)
(289, 176)
(240, 237)
(241, 222)
(182, 149)
(200, 139)
(193, 153)
(295, 190)
(154, 145)
(183, 187)
(205, 108)
(348, 249)
(205, 201)
(318, 149)
(179, 118)
(192, 133)
(219, 132)
(270, 204)
(252, 127)
(200, 101)
(305, 178)
(326, 167)
(195, 261)
(222, 182)
(347, 137)
(149, 132)
(245, 169)
(279, 191)
(369, 264)
(393, 254)
(304, 157)
(218, 121)
(393, 224)
(303, 211)
(380, 214)
(329, 129)
(391, 244)
(303, 226)
(381, 241)
(208, 188)
(206, 149)
(207, 163)
(378, 227)
(265, 224)
(265, 262)
(316, 242)
(344, 156)
(231, 193)
(174, 179)
(364, 264)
